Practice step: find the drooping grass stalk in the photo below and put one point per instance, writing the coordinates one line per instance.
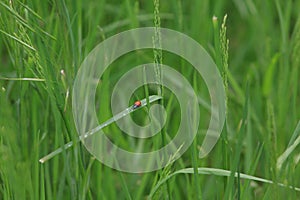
(219, 172)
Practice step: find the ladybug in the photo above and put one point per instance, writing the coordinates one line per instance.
(137, 104)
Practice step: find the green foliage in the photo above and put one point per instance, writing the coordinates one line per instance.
(257, 46)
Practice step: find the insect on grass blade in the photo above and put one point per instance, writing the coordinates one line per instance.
(118, 116)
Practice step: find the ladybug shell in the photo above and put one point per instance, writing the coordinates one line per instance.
(137, 104)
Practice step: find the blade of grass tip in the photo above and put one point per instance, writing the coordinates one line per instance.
(120, 115)
(217, 172)
(294, 142)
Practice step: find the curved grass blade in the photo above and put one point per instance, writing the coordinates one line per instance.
(217, 172)
(118, 116)
(294, 142)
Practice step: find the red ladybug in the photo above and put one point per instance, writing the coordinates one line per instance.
(137, 104)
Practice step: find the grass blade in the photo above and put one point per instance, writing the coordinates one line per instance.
(120, 115)
(22, 79)
(217, 172)
(291, 147)
(18, 40)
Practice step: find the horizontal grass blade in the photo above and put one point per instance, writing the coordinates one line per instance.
(22, 79)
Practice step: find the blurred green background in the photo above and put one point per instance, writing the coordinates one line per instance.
(46, 41)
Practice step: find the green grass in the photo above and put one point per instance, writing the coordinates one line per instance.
(261, 74)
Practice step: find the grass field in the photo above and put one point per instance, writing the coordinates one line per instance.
(42, 45)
